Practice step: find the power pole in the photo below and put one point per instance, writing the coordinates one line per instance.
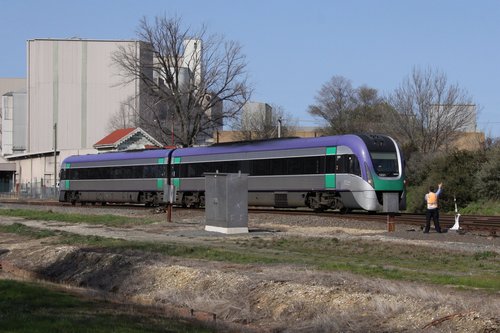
(55, 159)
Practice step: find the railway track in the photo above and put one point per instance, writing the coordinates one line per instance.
(467, 222)
(489, 224)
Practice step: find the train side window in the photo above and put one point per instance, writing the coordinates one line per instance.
(347, 164)
(277, 166)
(294, 166)
(340, 164)
(243, 166)
(260, 167)
(354, 167)
(312, 165)
(330, 164)
(106, 173)
(190, 170)
(149, 171)
(176, 170)
(162, 171)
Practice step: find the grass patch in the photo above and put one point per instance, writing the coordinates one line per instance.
(371, 259)
(491, 208)
(49, 215)
(21, 229)
(28, 307)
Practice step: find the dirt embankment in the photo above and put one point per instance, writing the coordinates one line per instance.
(253, 297)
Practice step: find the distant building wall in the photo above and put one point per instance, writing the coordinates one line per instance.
(20, 123)
(260, 108)
(76, 85)
(14, 116)
(8, 86)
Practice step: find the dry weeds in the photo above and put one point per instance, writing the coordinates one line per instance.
(277, 298)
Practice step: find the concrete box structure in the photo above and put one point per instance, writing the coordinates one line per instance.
(226, 202)
(391, 202)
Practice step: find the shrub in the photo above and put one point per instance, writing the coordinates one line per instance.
(488, 177)
(456, 170)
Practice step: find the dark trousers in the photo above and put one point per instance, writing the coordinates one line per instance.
(434, 214)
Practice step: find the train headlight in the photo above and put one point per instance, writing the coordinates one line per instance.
(369, 177)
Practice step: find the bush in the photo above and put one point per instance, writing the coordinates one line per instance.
(488, 177)
(457, 171)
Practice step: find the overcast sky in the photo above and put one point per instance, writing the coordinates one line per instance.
(294, 47)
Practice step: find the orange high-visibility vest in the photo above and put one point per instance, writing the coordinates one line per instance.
(432, 200)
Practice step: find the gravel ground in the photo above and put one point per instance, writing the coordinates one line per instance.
(259, 298)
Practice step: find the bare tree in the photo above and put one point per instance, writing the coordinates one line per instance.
(350, 110)
(125, 117)
(191, 81)
(264, 124)
(334, 101)
(430, 112)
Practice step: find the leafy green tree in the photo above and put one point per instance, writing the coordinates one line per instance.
(457, 171)
(488, 177)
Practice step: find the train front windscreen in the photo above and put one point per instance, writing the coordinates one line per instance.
(385, 163)
(383, 152)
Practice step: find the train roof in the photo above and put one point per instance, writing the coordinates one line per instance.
(116, 156)
(267, 145)
(351, 140)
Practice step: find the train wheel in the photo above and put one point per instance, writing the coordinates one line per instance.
(345, 210)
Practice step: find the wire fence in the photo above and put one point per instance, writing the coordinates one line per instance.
(35, 190)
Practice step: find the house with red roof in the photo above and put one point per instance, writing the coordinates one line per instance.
(127, 139)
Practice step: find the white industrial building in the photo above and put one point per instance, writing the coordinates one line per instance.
(74, 86)
(12, 97)
(72, 91)
(14, 122)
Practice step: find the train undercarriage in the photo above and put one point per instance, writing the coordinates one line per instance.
(316, 200)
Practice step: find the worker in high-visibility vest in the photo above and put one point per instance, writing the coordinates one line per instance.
(431, 200)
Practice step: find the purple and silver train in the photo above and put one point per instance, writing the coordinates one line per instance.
(343, 172)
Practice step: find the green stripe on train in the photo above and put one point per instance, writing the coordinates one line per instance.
(388, 185)
(331, 150)
(159, 184)
(330, 181)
